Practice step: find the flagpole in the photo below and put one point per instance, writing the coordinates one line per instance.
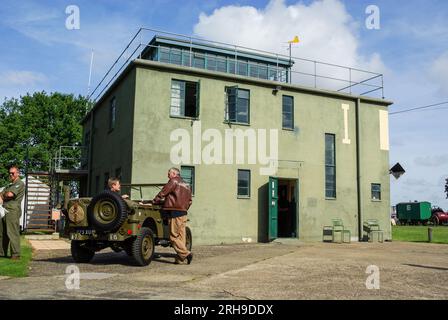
(290, 67)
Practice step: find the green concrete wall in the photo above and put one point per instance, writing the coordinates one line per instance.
(375, 169)
(113, 149)
(217, 215)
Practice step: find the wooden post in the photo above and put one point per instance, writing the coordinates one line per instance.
(429, 234)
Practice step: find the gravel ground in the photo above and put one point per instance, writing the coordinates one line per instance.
(247, 271)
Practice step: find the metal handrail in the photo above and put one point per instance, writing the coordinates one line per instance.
(236, 49)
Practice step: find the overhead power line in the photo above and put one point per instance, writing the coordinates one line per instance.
(418, 108)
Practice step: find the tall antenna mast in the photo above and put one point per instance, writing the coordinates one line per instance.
(90, 75)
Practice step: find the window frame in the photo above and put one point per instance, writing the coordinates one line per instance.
(97, 184)
(112, 113)
(328, 166)
(118, 173)
(182, 98)
(292, 113)
(372, 191)
(106, 180)
(229, 94)
(243, 196)
(193, 177)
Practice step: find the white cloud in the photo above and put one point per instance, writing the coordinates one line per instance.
(439, 72)
(432, 161)
(22, 78)
(15, 83)
(326, 31)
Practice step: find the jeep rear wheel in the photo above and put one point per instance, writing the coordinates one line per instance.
(128, 246)
(80, 253)
(107, 211)
(143, 247)
(188, 239)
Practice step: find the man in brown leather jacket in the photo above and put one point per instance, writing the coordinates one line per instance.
(177, 196)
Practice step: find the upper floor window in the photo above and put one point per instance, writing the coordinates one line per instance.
(288, 112)
(184, 99)
(238, 105)
(112, 113)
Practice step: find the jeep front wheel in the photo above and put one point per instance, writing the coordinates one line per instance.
(80, 253)
(143, 247)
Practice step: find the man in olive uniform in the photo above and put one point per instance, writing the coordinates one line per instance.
(12, 197)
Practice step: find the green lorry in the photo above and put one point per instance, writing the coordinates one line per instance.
(414, 213)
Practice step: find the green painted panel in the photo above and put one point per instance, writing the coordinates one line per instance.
(273, 207)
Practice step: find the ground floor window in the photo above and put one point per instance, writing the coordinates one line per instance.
(376, 191)
(106, 180)
(187, 174)
(330, 166)
(244, 183)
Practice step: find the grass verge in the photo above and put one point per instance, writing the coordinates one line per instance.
(420, 234)
(17, 268)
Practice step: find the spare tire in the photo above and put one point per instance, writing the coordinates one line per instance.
(107, 211)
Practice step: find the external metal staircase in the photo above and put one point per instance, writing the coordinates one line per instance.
(43, 191)
(38, 204)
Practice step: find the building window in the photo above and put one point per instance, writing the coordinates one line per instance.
(238, 105)
(85, 149)
(242, 68)
(112, 113)
(97, 184)
(376, 191)
(118, 173)
(184, 99)
(164, 55)
(244, 183)
(176, 56)
(221, 64)
(186, 58)
(330, 166)
(211, 62)
(187, 174)
(288, 112)
(263, 72)
(106, 180)
(199, 60)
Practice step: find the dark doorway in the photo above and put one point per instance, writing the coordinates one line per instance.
(287, 208)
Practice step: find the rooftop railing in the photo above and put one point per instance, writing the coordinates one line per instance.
(304, 72)
(68, 158)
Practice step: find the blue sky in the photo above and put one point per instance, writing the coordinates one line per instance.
(37, 52)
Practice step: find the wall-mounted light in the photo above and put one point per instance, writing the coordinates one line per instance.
(277, 88)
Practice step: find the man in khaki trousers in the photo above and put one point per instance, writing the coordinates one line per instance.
(12, 197)
(177, 200)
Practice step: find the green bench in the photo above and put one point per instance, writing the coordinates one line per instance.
(372, 227)
(329, 232)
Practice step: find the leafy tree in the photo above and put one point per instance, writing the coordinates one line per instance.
(35, 126)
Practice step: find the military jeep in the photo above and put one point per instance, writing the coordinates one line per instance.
(109, 221)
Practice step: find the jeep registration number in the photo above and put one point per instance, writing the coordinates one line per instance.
(85, 232)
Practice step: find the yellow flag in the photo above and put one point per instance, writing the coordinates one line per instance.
(295, 40)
